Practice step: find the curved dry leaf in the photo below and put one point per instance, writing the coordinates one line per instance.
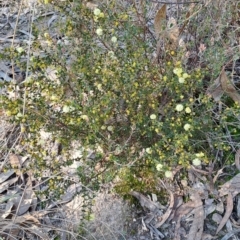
(173, 31)
(14, 160)
(72, 190)
(196, 229)
(70, 193)
(7, 197)
(160, 20)
(229, 235)
(53, 18)
(34, 201)
(232, 186)
(26, 201)
(38, 231)
(24, 206)
(227, 214)
(8, 209)
(210, 209)
(6, 175)
(167, 213)
(237, 159)
(188, 15)
(229, 88)
(4, 186)
(27, 218)
(229, 226)
(144, 201)
(207, 236)
(183, 210)
(180, 212)
(215, 90)
(32, 226)
(220, 171)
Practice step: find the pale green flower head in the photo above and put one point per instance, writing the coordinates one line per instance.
(99, 32)
(19, 115)
(201, 154)
(181, 80)
(101, 15)
(188, 110)
(153, 116)
(159, 167)
(196, 162)
(20, 49)
(114, 39)
(187, 126)
(178, 71)
(103, 127)
(96, 11)
(179, 107)
(168, 174)
(67, 109)
(185, 75)
(110, 128)
(148, 150)
(85, 117)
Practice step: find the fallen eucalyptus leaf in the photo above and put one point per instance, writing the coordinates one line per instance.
(227, 214)
(237, 159)
(196, 229)
(173, 32)
(232, 186)
(6, 175)
(7, 197)
(215, 90)
(228, 235)
(180, 212)
(144, 201)
(160, 20)
(4, 186)
(228, 87)
(166, 215)
(14, 160)
(8, 210)
(238, 206)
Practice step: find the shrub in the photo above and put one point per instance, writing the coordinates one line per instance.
(138, 117)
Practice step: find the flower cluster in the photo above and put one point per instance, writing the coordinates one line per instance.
(197, 161)
(181, 76)
(98, 14)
